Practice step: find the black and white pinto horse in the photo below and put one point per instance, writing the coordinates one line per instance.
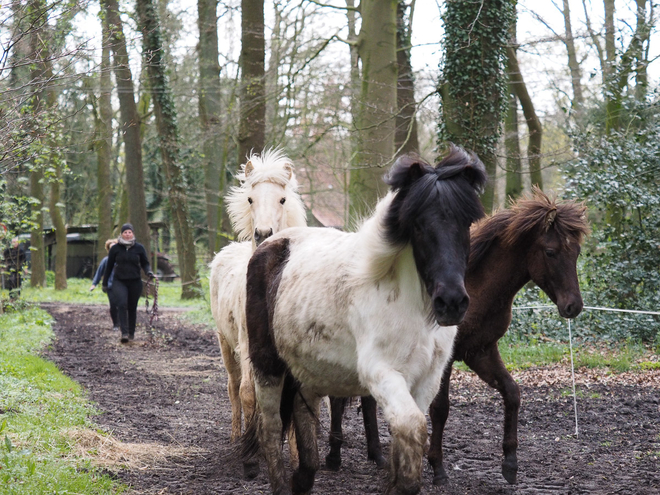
(371, 312)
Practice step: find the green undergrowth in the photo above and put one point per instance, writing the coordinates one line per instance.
(38, 406)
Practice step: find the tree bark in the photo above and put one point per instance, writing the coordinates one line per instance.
(533, 123)
(210, 109)
(644, 32)
(252, 125)
(573, 64)
(130, 124)
(405, 139)
(60, 229)
(377, 105)
(38, 20)
(103, 145)
(512, 145)
(166, 123)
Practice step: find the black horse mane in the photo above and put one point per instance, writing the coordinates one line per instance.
(454, 182)
(527, 216)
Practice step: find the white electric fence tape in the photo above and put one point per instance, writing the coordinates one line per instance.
(570, 340)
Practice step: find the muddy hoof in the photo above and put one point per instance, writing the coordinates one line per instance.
(380, 460)
(251, 470)
(333, 463)
(441, 477)
(510, 470)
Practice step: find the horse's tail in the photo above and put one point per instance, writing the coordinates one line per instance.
(249, 442)
(289, 391)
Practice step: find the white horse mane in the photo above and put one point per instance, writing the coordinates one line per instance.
(375, 256)
(271, 166)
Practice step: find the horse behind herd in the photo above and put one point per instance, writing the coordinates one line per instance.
(375, 312)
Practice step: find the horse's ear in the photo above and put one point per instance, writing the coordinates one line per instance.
(248, 168)
(475, 172)
(550, 218)
(289, 168)
(406, 170)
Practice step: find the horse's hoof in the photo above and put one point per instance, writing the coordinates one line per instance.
(251, 470)
(332, 463)
(510, 471)
(302, 481)
(441, 478)
(379, 459)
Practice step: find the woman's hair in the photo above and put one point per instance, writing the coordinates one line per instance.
(109, 243)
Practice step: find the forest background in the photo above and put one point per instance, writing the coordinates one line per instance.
(143, 111)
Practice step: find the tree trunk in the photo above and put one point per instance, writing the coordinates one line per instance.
(473, 87)
(512, 145)
(377, 106)
(210, 109)
(644, 31)
(60, 230)
(130, 124)
(573, 64)
(168, 132)
(252, 125)
(405, 139)
(533, 123)
(103, 145)
(612, 100)
(38, 20)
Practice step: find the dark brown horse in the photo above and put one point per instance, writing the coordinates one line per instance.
(536, 239)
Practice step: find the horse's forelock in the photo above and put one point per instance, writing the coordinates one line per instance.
(270, 166)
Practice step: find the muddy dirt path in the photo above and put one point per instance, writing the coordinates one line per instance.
(168, 389)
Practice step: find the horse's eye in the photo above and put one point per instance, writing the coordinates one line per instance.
(550, 253)
(282, 201)
(250, 200)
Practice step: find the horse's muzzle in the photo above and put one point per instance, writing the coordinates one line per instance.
(260, 235)
(450, 308)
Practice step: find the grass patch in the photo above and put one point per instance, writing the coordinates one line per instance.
(525, 353)
(77, 292)
(38, 407)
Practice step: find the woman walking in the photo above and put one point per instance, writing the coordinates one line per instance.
(97, 278)
(127, 257)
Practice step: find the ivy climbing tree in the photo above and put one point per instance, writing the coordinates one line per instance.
(473, 80)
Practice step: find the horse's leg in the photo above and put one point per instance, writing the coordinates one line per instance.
(305, 417)
(439, 412)
(336, 437)
(250, 466)
(408, 425)
(268, 391)
(233, 385)
(370, 417)
(490, 368)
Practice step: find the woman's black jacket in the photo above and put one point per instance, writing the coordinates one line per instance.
(127, 262)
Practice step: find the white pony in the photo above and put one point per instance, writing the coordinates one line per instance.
(266, 202)
(365, 313)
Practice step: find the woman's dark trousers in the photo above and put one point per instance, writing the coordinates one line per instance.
(126, 294)
(113, 309)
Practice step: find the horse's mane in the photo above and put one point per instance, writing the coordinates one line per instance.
(271, 166)
(414, 184)
(454, 182)
(527, 215)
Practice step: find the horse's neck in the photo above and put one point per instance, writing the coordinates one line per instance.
(498, 277)
(375, 258)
